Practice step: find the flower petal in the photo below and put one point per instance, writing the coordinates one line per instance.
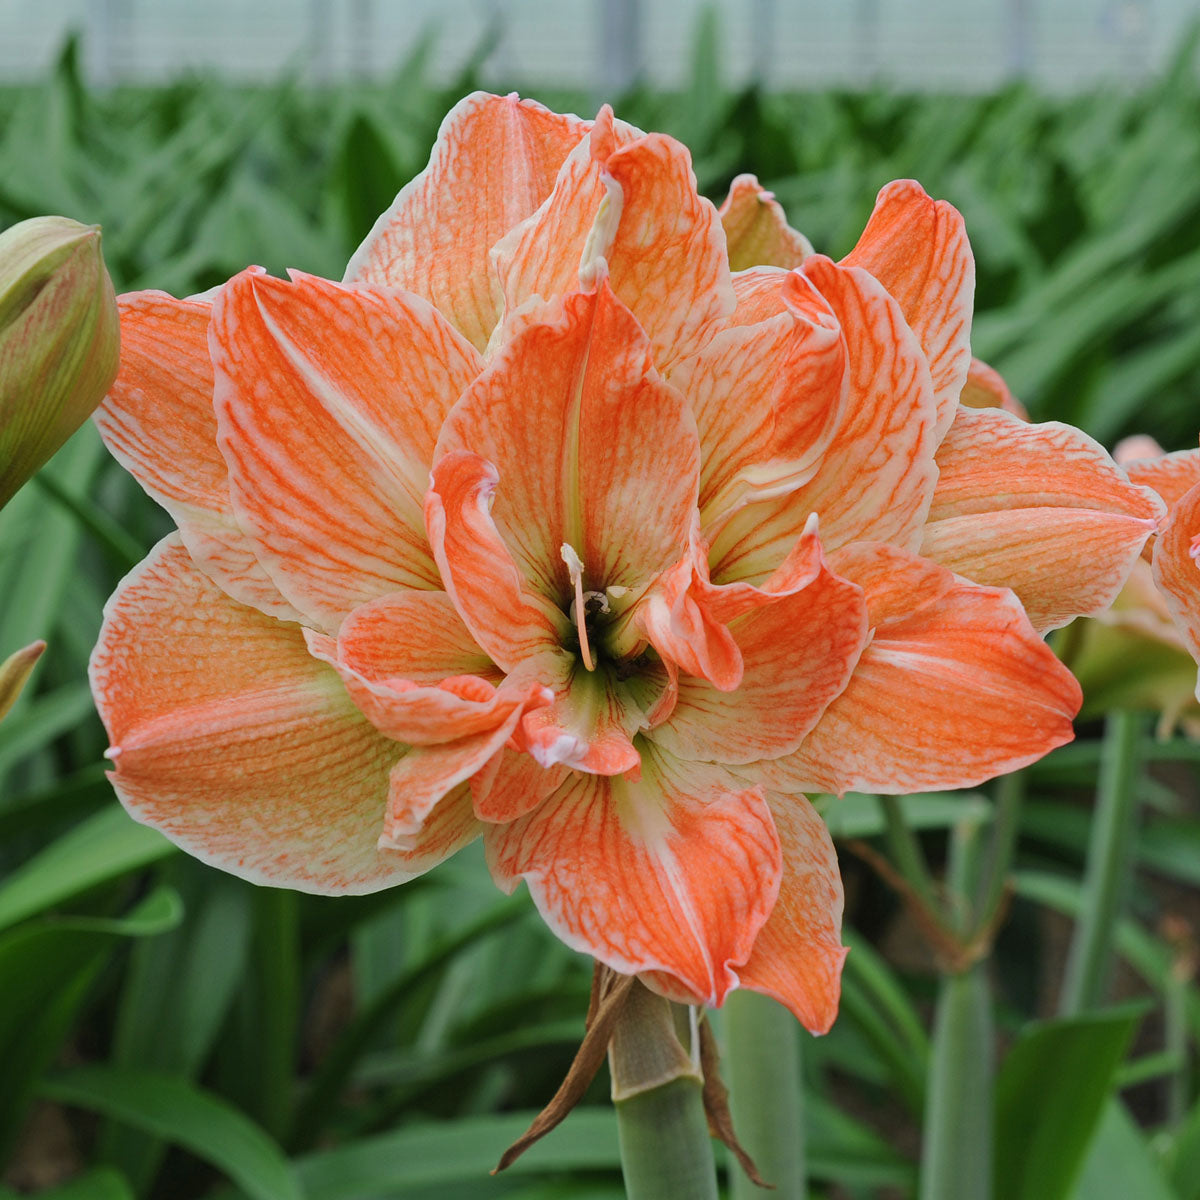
(1038, 508)
(631, 201)
(985, 388)
(676, 873)
(233, 740)
(876, 477)
(159, 424)
(593, 450)
(1170, 475)
(954, 688)
(510, 622)
(328, 403)
(517, 786)
(798, 954)
(1177, 567)
(495, 160)
(756, 229)
(798, 651)
(768, 399)
(918, 249)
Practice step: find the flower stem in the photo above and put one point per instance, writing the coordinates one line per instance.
(1110, 852)
(956, 1152)
(657, 1088)
(762, 1048)
(665, 1147)
(907, 853)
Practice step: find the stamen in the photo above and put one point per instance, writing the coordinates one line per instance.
(575, 570)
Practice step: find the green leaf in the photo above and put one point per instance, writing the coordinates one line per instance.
(100, 1184)
(101, 848)
(1050, 1095)
(186, 1115)
(1119, 1165)
(856, 815)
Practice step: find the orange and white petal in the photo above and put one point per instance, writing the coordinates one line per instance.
(798, 652)
(1177, 567)
(495, 160)
(954, 688)
(428, 774)
(631, 202)
(985, 388)
(768, 399)
(510, 622)
(917, 248)
(515, 784)
(590, 724)
(592, 448)
(674, 874)
(1041, 509)
(798, 954)
(229, 737)
(417, 636)
(328, 403)
(455, 707)
(1170, 475)
(756, 229)
(159, 424)
(876, 476)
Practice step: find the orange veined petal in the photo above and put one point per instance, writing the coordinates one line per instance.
(328, 402)
(159, 424)
(514, 784)
(495, 160)
(674, 874)
(1041, 509)
(1177, 567)
(627, 206)
(798, 649)
(798, 954)
(510, 622)
(875, 479)
(592, 449)
(233, 740)
(768, 399)
(1170, 475)
(985, 388)
(954, 688)
(918, 249)
(756, 229)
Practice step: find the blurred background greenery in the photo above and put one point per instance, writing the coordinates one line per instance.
(168, 1031)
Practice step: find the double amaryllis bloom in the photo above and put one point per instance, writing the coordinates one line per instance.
(549, 527)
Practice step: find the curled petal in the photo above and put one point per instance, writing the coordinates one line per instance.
(675, 874)
(884, 442)
(508, 621)
(592, 449)
(798, 954)
(1038, 508)
(328, 402)
(918, 249)
(159, 424)
(985, 388)
(495, 160)
(1177, 567)
(233, 740)
(517, 785)
(954, 688)
(756, 229)
(631, 201)
(1170, 475)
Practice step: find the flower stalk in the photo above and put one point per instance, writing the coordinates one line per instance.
(762, 1044)
(1108, 866)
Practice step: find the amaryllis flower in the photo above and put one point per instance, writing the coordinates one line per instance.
(546, 527)
(1176, 549)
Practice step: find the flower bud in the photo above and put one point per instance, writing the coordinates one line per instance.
(59, 340)
(14, 671)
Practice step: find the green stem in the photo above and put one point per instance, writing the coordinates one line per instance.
(907, 854)
(956, 1150)
(665, 1147)
(1110, 852)
(762, 1049)
(277, 948)
(1010, 793)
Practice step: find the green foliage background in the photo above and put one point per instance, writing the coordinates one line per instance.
(177, 1033)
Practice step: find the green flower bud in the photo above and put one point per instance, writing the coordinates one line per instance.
(14, 671)
(59, 340)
